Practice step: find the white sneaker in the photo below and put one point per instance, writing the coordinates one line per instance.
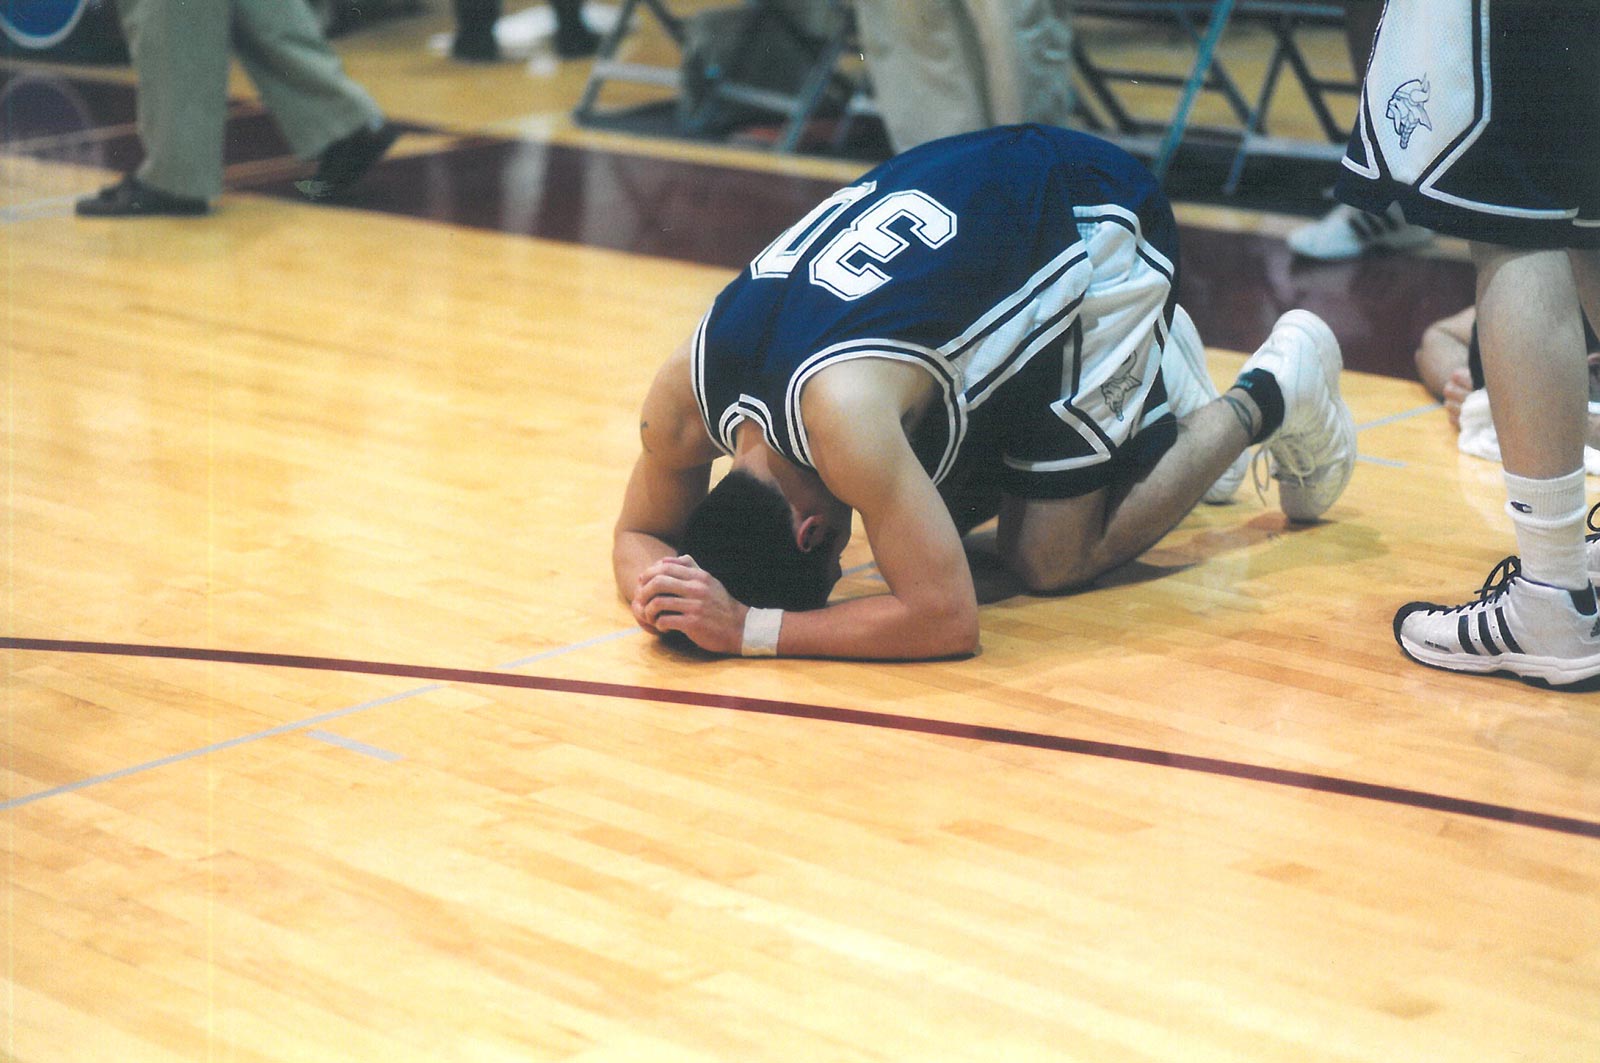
(1189, 387)
(1518, 626)
(1345, 232)
(1313, 452)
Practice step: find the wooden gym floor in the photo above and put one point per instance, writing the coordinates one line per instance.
(325, 737)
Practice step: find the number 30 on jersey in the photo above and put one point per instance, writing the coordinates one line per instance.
(854, 263)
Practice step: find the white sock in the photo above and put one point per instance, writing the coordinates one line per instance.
(1548, 516)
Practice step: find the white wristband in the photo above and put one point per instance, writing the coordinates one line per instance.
(761, 628)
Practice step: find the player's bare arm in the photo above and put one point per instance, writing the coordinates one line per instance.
(856, 415)
(668, 479)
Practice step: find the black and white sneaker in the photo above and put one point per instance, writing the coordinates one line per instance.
(1345, 233)
(1530, 630)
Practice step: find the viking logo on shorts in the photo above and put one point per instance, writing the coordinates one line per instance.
(1122, 384)
(1405, 109)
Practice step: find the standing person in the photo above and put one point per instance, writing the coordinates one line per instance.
(942, 67)
(1479, 119)
(985, 325)
(181, 54)
(475, 41)
(1345, 232)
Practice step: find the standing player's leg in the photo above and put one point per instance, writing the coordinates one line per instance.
(1540, 621)
(1586, 271)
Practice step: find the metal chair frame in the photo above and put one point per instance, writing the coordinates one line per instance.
(1204, 21)
(796, 108)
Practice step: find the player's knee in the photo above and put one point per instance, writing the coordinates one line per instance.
(1049, 572)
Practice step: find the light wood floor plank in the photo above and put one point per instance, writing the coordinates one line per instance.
(320, 432)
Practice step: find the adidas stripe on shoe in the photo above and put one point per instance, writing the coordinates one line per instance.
(1516, 626)
(1345, 233)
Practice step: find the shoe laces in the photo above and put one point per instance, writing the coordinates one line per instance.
(1288, 459)
(1261, 473)
(1500, 577)
(1494, 584)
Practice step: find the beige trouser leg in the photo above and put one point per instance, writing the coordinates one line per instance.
(1027, 59)
(180, 57)
(181, 53)
(299, 75)
(941, 67)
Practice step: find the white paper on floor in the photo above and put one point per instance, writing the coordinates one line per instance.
(527, 33)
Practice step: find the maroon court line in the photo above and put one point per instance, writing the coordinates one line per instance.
(861, 718)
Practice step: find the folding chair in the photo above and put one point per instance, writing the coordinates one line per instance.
(607, 67)
(1204, 22)
(731, 81)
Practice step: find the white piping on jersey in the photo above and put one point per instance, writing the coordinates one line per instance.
(1065, 464)
(1018, 350)
(944, 374)
(1056, 292)
(1130, 221)
(1163, 341)
(1440, 168)
(1370, 170)
(724, 435)
(962, 348)
(1152, 415)
(1057, 286)
(748, 407)
(697, 380)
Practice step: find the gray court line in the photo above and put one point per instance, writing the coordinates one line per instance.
(1404, 415)
(560, 651)
(215, 747)
(311, 722)
(54, 207)
(355, 747)
(289, 728)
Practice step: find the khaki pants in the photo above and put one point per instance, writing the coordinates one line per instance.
(181, 52)
(941, 67)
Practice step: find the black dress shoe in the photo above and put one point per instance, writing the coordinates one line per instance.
(475, 47)
(132, 198)
(343, 162)
(577, 42)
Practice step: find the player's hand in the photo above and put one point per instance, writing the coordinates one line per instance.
(675, 594)
(1457, 386)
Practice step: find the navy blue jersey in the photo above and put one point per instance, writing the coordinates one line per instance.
(1028, 270)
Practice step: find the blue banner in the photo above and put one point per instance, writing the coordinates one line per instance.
(40, 23)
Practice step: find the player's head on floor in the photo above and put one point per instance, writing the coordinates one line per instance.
(745, 534)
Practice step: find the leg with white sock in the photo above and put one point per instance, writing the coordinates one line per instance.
(1586, 272)
(1540, 621)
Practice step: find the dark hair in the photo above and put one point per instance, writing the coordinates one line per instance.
(743, 535)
